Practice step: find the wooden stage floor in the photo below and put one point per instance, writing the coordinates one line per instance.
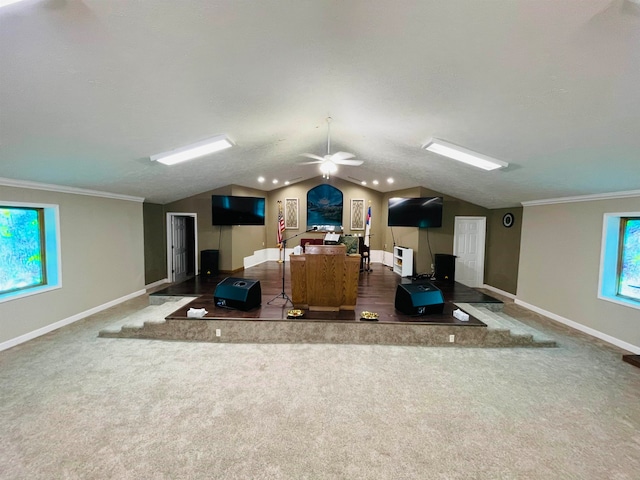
(376, 293)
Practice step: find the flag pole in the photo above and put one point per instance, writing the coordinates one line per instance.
(281, 253)
(367, 242)
(282, 245)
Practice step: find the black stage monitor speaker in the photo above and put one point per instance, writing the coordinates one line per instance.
(445, 267)
(238, 293)
(209, 262)
(419, 299)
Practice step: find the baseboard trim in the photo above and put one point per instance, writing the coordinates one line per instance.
(156, 284)
(67, 321)
(501, 292)
(578, 326)
(232, 272)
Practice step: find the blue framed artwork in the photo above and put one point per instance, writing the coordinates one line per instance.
(324, 208)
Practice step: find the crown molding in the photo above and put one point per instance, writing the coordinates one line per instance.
(9, 182)
(583, 198)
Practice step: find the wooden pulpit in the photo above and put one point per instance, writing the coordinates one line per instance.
(324, 278)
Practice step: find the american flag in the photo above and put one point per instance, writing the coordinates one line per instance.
(280, 227)
(367, 230)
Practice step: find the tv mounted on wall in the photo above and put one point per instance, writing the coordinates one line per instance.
(233, 210)
(423, 212)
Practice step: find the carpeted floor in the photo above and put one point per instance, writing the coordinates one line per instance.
(76, 406)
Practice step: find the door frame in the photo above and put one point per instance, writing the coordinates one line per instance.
(170, 274)
(482, 232)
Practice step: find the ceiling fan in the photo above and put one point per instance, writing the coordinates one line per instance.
(329, 163)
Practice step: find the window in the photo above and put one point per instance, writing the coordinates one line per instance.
(629, 258)
(620, 259)
(22, 248)
(29, 249)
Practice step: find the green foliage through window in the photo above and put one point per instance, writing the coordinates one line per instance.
(629, 263)
(22, 262)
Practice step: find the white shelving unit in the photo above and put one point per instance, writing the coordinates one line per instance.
(403, 261)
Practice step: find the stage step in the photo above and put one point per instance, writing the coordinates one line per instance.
(500, 321)
(156, 312)
(162, 299)
(150, 323)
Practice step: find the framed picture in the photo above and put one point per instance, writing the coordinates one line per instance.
(291, 213)
(357, 214)
(324, 208)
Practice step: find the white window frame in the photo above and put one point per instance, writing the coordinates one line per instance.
(609, 256)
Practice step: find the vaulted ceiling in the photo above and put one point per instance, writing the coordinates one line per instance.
(89, 89)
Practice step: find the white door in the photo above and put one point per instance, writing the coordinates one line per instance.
(182, 245)
(468, 247)
(179, 244)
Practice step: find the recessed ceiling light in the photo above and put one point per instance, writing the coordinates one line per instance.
(375, 182)
(287, 182)
(194, 150)
(363, 182)
(389, 180)
(275, 180)
(261, 179)
(463, 155)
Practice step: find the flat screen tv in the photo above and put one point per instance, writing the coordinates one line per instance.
(233, 210)
(423, 212)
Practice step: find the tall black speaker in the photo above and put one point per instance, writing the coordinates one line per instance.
(419, 299)
(238, 293)
(445, 267)
(209, 262)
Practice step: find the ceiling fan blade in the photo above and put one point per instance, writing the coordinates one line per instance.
(355, 163)
(311, 155)
(336, 157)
(315, 162)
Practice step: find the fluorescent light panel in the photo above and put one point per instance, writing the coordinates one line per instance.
(195, 150)
(4, 3)
(462, 154)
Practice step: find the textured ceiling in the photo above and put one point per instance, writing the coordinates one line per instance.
(89, 89)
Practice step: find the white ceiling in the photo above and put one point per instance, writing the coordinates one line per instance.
(89, 89)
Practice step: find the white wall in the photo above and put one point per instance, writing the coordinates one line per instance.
(559, 268)
(102, 261)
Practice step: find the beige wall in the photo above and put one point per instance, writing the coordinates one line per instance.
(427, 242)
(559, 265)
(209, 237)
(235, 243)
(503, 250)
(102, 259)
(155, 243)
(408, 237)
(299, 190)
(246, 239)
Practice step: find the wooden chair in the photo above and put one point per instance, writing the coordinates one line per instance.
(365, 255)
(310, 241)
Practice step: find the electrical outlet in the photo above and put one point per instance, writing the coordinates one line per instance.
(219, 332)
(452, 338)
(432, 267)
